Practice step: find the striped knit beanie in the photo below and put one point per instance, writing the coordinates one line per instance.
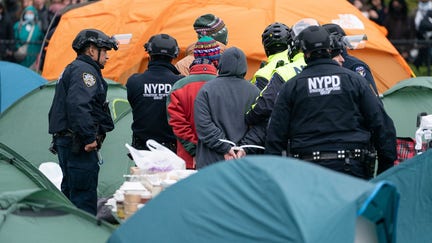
(213, 26)
(207, 48)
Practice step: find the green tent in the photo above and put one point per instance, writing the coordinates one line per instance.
(18, 174)
(33, 210)
(413, 180)
(265, 199)
(24, 128)
(405, 100)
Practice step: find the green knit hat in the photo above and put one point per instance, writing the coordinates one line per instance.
(213, 26)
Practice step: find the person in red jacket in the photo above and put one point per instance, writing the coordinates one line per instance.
(180, 103)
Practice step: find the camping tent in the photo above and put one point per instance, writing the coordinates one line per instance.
(404, 101)
(24, 128)
(413, 181)
(18, 174)
(264, 199)
(33, 210)
(15, 82)
(245, 20)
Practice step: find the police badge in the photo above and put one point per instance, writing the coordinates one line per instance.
(361, 70)
(89, 79)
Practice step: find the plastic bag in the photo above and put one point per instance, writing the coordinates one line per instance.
(158, 159)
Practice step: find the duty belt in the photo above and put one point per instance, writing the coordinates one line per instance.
(325, 155)
(63, 134)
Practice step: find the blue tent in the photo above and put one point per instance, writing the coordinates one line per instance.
(413, 180)
(15, 82)
(265, 199)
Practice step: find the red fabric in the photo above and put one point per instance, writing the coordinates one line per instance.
(406, 149)
(180, 109)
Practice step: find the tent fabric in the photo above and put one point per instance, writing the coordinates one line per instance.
(405, 100)
(18, 174)
(258, 199)
(15, 82)
(24, 128)
(144, 18)
(39, 217)
(413, 181)
(381, 208)
(32, 209)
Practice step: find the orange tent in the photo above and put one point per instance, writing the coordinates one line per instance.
(245, 20)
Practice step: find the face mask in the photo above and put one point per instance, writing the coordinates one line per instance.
(29, 17)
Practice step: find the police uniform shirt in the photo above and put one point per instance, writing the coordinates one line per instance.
(329, 107)
(358, 66)
(79, 100)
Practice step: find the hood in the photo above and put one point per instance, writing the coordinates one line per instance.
(233, 63)
(31, 8)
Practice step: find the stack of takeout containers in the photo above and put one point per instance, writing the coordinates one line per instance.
(130, 197)
(140, 187)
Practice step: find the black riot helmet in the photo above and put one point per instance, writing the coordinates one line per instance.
(334, 29)
(163, 45)
(315, 39)
(297, 28)
(275, 38)
(94, 36)
(336, 36)
(337, 45)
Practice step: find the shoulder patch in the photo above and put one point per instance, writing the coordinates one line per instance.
(361, 70)
(88, 79)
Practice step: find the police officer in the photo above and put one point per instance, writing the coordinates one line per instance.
(352, 62)
(274, 39)
(147, 93)
(79, 117)
(329, 114)
(261, 110)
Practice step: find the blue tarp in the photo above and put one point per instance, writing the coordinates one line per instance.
(15, 82)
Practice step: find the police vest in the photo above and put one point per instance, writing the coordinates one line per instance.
(292, 69)
(268, 70)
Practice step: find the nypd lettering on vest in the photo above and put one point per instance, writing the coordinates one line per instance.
(324, 85)
(157, 91)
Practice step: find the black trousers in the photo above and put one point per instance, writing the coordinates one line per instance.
(352, 167)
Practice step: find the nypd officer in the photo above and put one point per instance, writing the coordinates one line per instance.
(260, 111)
(147, 93)
(330, 115)
(79, 117)
(352, 62)
(274, 39)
